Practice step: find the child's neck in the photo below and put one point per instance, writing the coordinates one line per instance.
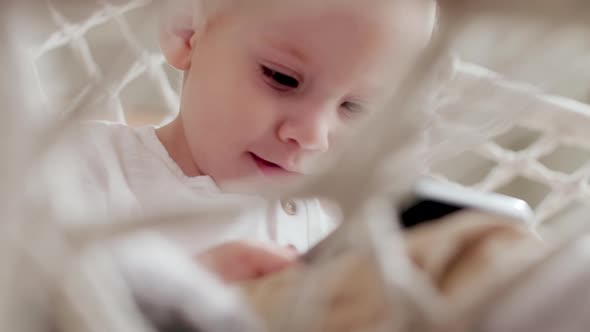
(174, 141)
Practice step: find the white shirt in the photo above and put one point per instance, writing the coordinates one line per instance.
(117, 171)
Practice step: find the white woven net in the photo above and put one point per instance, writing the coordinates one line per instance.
(489, 132)
(107, 44)
(542, 153)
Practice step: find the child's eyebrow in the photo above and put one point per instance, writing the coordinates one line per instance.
(290, 50)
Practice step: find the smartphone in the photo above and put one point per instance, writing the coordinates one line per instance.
(429, 201)
(432, 199)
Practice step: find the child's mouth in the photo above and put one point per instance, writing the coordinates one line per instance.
(267, 167)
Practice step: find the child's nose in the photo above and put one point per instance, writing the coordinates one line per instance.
(308, 130)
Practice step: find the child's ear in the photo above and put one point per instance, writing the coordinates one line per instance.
(177, 29)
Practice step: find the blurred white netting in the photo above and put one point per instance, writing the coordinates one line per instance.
(541, 153)
(519, 141)
(111, 46)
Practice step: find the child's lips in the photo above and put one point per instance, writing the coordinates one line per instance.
(270, 168)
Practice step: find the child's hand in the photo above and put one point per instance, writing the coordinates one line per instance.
(246, 260)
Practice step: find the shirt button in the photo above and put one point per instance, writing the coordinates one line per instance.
(290, 207)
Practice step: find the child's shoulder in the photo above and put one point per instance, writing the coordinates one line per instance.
(103, 153)
(102, 130)
(101, 135)
(102, 142)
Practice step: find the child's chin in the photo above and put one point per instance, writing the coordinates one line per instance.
(262, 184)
(280, 174)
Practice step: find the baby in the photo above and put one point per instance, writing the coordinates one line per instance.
(268, 86)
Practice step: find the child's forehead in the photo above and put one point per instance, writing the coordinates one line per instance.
(395, 23)
(376, 9)
(386, 18)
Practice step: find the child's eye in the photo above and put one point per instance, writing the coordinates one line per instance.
(278, 80)
(351, 108)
